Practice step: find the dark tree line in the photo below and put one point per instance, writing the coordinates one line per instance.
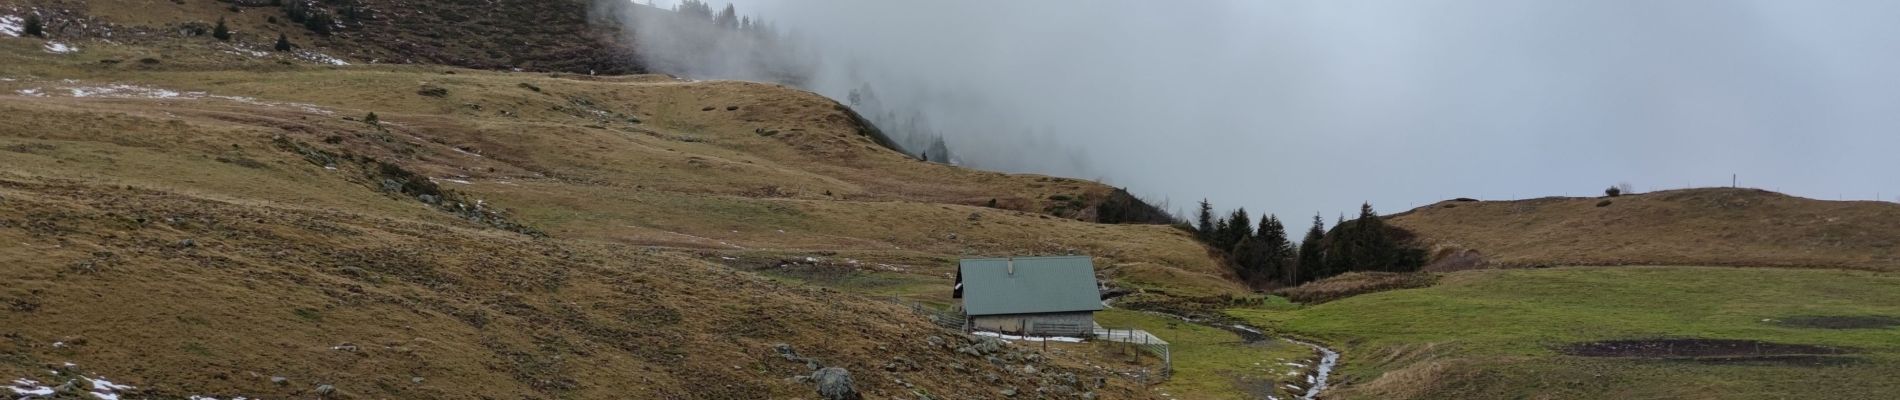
(1265, 255)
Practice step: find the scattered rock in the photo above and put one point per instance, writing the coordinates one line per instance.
(415, 380)
(835, 384)
(898, 364)
(976, 216)
(279, 381)
(1029, 370)
(325, 390)
(934, 341)
(346, 346)
(1067, 379)
(530, 86)
(187, 243)
(71, 387)
(1605, 203)
(991, 377)
(732, 108)
(708, 108)
(1008, 392)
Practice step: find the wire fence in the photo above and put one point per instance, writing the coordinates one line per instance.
(1139, 340)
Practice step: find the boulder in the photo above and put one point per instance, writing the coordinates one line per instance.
(835, 384)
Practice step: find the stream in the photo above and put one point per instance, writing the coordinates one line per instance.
(1316, 379)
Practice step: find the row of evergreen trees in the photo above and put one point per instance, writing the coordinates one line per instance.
(1264, 256)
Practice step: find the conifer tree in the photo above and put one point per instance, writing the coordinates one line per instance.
(1312, 256)
(1375, 248)
(1206, 221)
(1245, 261)
(283, 42)
(728, 18)
(1238, 227)
(34, 26)
(1276, 251)
(221, 32)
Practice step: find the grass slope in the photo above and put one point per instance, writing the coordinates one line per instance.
(201, 222)
(1212, 363)
(1496, 333)
(1715, 226)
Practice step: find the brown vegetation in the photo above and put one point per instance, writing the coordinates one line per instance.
(204, 222)
(1717, 226)
(1355, 283)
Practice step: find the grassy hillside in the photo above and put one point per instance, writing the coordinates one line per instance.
(1528, 334)
(1717, 226)
(533, 35)
(195, 220)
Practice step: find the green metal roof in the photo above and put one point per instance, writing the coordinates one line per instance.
(1037, 285)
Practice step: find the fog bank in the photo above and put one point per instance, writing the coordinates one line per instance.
(1303, 107)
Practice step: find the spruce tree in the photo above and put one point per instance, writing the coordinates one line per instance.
(1206, 221)
(1247, 261)
(283, 42)
(1275, 250)
(1375, 248)
(1238, 227)
(34, 26)
(221, 32)
(1312, 256)
(727, 18)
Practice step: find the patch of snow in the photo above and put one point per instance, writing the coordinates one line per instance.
(60, 48)
(321, 58)
(101, 383)
(246, 51)
(459, 181)
(30, 388)
(34, 92)
(124, 91)
(1064, 339)
(12, 25)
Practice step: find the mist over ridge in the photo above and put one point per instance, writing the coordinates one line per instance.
(1295, 108)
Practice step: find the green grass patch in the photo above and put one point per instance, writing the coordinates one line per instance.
(1495, 333)
(1211, 363)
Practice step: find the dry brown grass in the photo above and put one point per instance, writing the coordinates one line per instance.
(1355, 283)
(626, 296)
(1718, 226)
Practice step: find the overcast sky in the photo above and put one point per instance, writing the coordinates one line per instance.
(1298, 107)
